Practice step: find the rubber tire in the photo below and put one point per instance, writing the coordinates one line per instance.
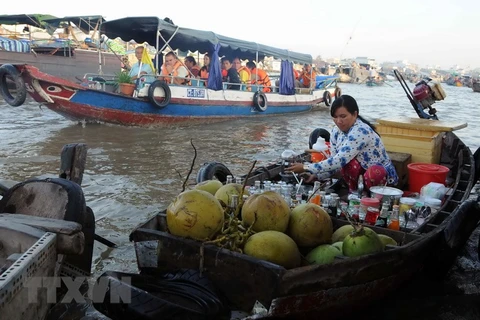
(338, 92)
(327, 98)
(211, 170)
(21, 94)
(258, 97)
(168, 94)
(319, 132)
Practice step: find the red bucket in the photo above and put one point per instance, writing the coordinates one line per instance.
(420, 174)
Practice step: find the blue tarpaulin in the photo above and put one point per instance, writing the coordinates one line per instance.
(14, 45)
(287, 79)
(215, 74)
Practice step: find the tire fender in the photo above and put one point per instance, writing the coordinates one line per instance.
(319, 132)
(260, 101)
(211, 170)
(327, 98)
(151, 91)
(338, 92)
(21, 93)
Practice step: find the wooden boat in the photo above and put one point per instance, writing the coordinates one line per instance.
(61, 58)
(46, 233)
(374, 82)
(158, 103)
(347, 284)
(476, 86)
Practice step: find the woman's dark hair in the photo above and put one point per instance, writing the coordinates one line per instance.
(351, 105)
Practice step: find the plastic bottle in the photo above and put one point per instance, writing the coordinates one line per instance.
(394, 222)
(383, 217)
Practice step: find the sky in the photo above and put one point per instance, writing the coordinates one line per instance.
(428, 32)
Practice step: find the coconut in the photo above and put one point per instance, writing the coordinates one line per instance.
(310, 225)
(225, 192)
(361, 241)
(274, 246)
(210, 186)
(324, 253)
(387, 240)
(195, 214)
(268, 210)
(341, 233)
(338, 245)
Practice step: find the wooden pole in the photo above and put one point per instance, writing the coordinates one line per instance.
(72, 162)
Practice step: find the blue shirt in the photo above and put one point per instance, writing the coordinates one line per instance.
(145, 68)
(361, 142)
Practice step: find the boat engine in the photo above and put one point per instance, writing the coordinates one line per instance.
(426, 92)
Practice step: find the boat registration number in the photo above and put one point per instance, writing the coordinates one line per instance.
(196, 93)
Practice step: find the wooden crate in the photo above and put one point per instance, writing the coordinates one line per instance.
(400, 161)
(421, 138)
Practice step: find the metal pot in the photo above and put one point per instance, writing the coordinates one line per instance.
(382, 193)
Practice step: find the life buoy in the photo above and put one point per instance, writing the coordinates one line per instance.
(166, 89)
(211, 170)
(9, 71)
(327, 98)
(319, 132)
(260, 101)
(338, 92)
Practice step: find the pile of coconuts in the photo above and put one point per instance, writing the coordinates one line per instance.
(264, 226)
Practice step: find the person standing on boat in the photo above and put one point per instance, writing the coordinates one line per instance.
(173, 71)
(232, 75)
(143, 68)
(356, 149)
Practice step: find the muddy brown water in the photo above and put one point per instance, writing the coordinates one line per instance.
(132, 173)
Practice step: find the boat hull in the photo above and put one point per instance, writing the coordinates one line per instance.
(187, 104)
(332, 289)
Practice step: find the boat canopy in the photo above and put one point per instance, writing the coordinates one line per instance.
(84, 23)
(36, 20)
(145, 29)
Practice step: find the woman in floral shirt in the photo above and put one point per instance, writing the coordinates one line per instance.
(356, 148)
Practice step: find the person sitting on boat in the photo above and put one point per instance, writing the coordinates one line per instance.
(356, 149)
(192, 66)
(173, 71)
(243, 72)
(232, 74)
(259, 77)
(307, 78)
(204, 71)
(139, 68)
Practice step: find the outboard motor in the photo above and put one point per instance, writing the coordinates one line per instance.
(426, 92)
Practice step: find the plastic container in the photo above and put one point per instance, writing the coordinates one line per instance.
(420, 174)
(406, 204)
(366, 202)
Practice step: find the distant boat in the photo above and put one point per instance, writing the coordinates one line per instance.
(476, 86)
(58, 57)
(374, 82)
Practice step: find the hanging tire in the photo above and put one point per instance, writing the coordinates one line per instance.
(338, 92)
(9, 71)
(169, 296)
(166, 89)
(319, 132)
(260, 101)
(211, 170)
(327, 98)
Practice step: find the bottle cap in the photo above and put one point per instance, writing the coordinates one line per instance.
(320, 145)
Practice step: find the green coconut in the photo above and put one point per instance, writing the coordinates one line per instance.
(387, 240)
(338, 245)
(195, 214)
(341, 233)
(323, 254)
(361, 241)
(225, 192)
(266, 211)
(310, 225)
(210, 186)
(275, 247)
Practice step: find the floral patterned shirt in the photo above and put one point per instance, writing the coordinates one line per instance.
(360, 142)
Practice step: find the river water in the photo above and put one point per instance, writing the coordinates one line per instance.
(133, 172)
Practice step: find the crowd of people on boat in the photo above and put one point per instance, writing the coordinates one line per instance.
(235, 75)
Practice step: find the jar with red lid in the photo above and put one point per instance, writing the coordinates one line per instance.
(366, 202)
